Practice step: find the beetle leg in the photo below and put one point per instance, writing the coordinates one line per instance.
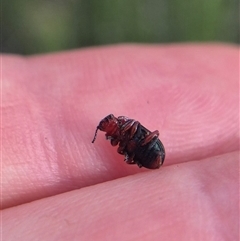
(127, 125)
(139, 165)
(130, 124)
(134, 129)
(122, 147)
(108, 137)
(114, 142)
(150, 137)
(129, 159)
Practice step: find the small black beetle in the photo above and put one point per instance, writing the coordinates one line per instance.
(139, 145)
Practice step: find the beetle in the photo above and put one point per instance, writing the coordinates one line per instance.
(139, 145)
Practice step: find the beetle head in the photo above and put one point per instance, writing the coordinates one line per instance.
(107, 124)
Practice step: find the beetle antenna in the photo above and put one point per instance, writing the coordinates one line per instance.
(95, 135)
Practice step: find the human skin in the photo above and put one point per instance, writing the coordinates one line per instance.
(57, 185)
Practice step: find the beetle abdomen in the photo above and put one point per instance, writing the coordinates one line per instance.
(150, 156)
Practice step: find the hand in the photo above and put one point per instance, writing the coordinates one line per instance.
(51, 105)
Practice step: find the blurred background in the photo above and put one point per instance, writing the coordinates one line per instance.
(34, 26)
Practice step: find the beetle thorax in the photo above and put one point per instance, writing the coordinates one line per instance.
(112, 130)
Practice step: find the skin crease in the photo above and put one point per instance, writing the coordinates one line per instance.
(50, 109)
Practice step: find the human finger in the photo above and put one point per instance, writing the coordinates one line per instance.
(52, 104)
